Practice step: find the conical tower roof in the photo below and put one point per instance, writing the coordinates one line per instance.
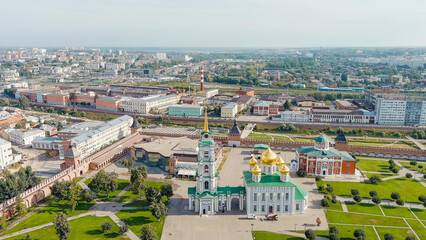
(235, 129)
(135, 124)
(340, 138)
(72, 152)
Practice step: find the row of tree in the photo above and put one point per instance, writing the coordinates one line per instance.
(11, 185)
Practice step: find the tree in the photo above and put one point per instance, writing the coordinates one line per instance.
(167, 190)
(148, 233)
(73, 96)
(62, 226)
(59, 126)
(60, 189)
(410, 238)
(111, 183)
(325, 202)
(98, 181)
(373, 193)
(360, 234)
(354, 192)
(18, 125)
(377, 200)
(310, 234)
(123, 229)
(357, 198)
(138, 176)
(389, 236)
(158, 209)
(317, 178)
(20, 208)
(2, 222)
(301, 173)
(287, 105)
(329, 188)
(152, 194)
(422, 198)
(24, 103)
(106, 227)
(74, 195)
(400, 202)
(128, 163)
(375, 179)
(395, 195)
(413, 162)
(408, 175)
(333, 233)
(344, 77)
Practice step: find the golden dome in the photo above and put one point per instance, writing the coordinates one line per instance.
(284, 169)
(256, 170)
(280, 161)
(253, 161)
(268, 157)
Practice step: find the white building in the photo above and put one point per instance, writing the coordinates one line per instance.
(292, 116)
(9, 75)
(25, 138)
(6, 157)
(400, 112)
(229, 110)
(208, 93)
(146, 104)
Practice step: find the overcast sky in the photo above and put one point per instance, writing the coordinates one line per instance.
(213, 23)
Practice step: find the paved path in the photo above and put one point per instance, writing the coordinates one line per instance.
(247, 130)
(419, 145)
(344, 207)
(383, 203)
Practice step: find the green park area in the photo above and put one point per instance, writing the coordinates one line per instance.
(370, 165)
(122, 184)
(139, 200)
(381, 143)
(419, 167)
(87, 228)
(136, 219)
(259, 136)
(49, 212)
(404, 186)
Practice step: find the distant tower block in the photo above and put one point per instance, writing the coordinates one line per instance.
(202, 79)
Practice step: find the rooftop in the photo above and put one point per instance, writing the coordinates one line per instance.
(167, 147)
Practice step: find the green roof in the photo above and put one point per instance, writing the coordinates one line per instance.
(330, 153)
(274, 181)
(231, 190)
(261, 146)
(207, 194)
(321, 139)
(191, 190)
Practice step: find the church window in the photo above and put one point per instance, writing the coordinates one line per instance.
(286, 208)
(279, 196)
(206, 154)
(255, 208)
(271, 196)
(286, 196)
(255, 197)
(263, 197)
(206, 169)
(206, 185)
(209, 208)
(297, 207)
(263, 208)
(278, 208)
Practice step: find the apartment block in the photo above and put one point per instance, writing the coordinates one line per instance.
(25, 138)
(229, 110)
(401, 112)
(146, 104)
(108, 103)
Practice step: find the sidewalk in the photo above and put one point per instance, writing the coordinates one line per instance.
(383, 203)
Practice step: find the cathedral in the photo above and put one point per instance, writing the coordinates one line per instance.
(268, 187)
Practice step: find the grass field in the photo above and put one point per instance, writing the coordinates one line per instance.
(420, 213)
(361, 219)
(381, 176)
(137, 218)
(398, 233)
(418, 228)
(263, 235)
(48, 213)
(402, 185)
(336, 206)
(397, 211)
(103, 196)
(259, 136)
(129, 196)
(381, 143)
(374, 166)
(363, 208)
(407, 165)
(87, 228)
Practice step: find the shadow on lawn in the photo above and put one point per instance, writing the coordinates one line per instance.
(95, 232)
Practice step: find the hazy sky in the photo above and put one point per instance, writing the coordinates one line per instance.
(213, 23)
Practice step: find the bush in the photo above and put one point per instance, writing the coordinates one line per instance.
(310, 234)
(395, 196)
(123, 229)
(357, 198)
(106, 226)
(410, 238)
(420, 166)
(321, 187)
(354, 192)
(376, 200)
(389, 236)
(360, 233)
(328, 197)
(422, 198)
(333, 236)
(373, 193)
(333, 229)
(375, 179)
(318, 178)
(391, 162)
(394, 170)
(424, 176)
(408, 175)
(413, 162)
(301, 173)
(330, 189)
(400, 202)
(334, 200)
(325, 202)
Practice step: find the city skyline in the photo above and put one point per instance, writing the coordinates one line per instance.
(251, 24)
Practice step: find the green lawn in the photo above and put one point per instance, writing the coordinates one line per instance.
(418, 228)
(335, 206)
(103, 196)
(363, 208)
(353, 218)
(397, 211)
(347, 232)
(48, 213)
(406, 164)
(402, 185)
(398, 233)
(86, 228)
(137, 218)
(259, 136)
(144, 203)
(281, 138)
(381, 176)
(374, 165)
(129, 196)
(420, 213)
(263, 235)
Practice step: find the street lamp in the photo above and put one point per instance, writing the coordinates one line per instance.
(295, 225)
(252, 227)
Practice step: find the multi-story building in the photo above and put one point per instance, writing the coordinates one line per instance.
(208, 93)
(292, 116)
(266, 108)
(108, 103)
(341, 116)
(323, 160)
(6, 158)
(10, 115)
(391, 111)
(146, 104)
(229, 110)
(371, 96)
(57, 99)
(185, 110)
(303, 101)
(25, 138)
